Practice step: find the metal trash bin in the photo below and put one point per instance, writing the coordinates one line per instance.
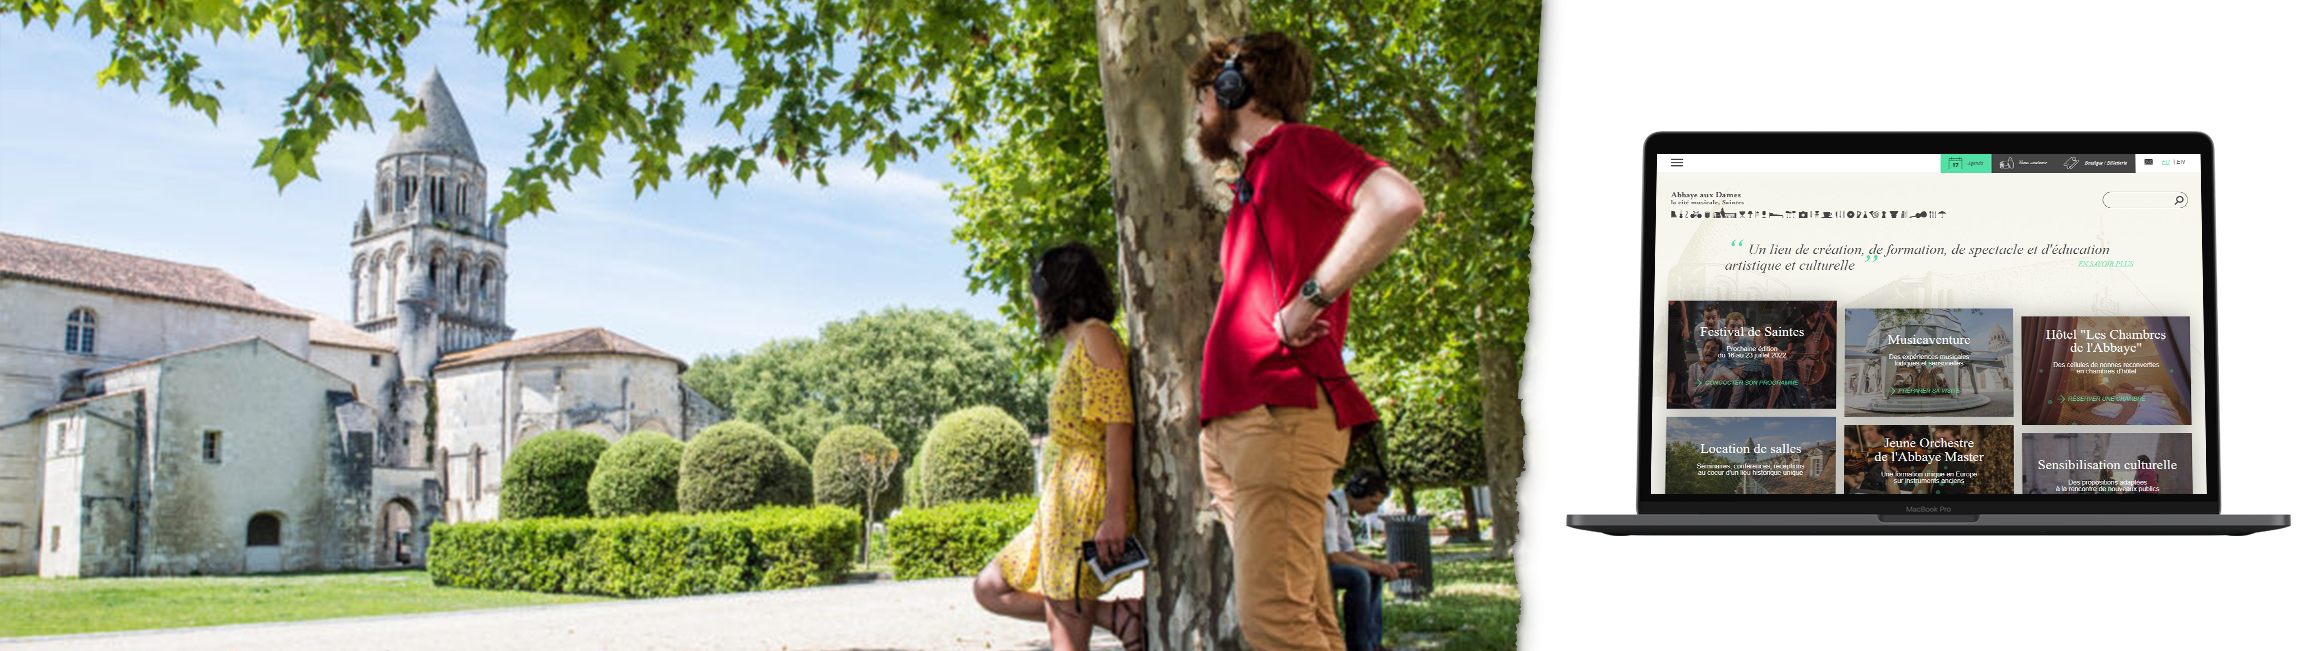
(1408, 543)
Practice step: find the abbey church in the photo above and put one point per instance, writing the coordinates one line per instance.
(161, 418)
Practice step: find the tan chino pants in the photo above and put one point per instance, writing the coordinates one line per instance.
(1270, 469)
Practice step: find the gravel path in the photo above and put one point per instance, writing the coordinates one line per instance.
(932, 615)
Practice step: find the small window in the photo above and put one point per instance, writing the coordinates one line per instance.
(375, 360)
(1815, 466)
(210, 441)
(60, 439)
(56, 537)
(265, 531)
(81, 332)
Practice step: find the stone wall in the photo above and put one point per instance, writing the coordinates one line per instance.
(34, 364)
(700, 414)
(485, 410)
(90, 483)
(19, 498)
(276, 429)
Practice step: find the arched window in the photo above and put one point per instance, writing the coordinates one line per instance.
(462, 277)
(436, 279)
(265, 530)
(81, 331)
(484, 289)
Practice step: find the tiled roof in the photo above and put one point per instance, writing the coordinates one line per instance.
(586, 341)
(446, 132)
(245, 341)
(327, 331)
(98, 269)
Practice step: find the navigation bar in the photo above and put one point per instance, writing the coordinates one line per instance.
(2065, 163)
(1925, 163)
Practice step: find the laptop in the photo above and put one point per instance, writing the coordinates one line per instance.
(1856, 333)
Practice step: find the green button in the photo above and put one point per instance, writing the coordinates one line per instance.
(1965, 163)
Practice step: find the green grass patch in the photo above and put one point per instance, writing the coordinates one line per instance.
(1530, 610)
(1474, 607)
(1444, 549)
(37, 606)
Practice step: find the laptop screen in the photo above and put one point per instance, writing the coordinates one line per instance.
(1851, 327)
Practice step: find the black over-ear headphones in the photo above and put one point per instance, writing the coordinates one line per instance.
(1232, 90)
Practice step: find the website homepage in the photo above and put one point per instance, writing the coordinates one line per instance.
(1929, 325)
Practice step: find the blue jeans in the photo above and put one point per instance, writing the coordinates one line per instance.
(1359, 608)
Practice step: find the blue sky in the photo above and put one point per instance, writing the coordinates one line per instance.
(1716, 431)
(676, 269)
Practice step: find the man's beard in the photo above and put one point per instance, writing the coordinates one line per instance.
(1217, 137)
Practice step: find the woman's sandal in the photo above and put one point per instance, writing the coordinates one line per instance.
(1129, 616)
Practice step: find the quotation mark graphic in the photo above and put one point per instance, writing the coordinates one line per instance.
(1735, 243)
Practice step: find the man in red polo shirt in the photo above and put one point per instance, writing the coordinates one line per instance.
(1312, 214)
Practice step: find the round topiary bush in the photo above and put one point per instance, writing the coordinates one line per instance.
(974, 455)
(838, 482)
(638, 475)
(1436, 444)
(737, 466)
(548, 475)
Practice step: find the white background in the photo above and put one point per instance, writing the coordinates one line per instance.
(2255, 68)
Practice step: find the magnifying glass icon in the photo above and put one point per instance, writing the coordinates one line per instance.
(2178, 201)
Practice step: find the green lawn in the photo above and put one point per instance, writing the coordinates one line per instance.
(1474, 607)
(1532, 607)
(37, 606)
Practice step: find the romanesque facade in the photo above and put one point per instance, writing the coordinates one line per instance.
(159, 418)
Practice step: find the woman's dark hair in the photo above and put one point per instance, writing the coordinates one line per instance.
(1366, 482)
(1072, 284)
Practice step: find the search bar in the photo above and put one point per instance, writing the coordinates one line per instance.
(2146, 200)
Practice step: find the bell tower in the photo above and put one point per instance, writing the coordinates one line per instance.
(425, 223)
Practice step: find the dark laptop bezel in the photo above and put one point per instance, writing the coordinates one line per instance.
(1650, 369)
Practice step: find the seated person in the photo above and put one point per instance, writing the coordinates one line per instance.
(1354, 571)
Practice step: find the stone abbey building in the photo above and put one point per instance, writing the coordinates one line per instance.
(160, 418)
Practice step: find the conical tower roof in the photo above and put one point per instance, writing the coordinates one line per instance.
(445, 133)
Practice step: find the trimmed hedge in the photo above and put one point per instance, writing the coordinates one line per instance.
(836, 456)
(637, 476)
(663, 555)
(973, 455)
(954, 539)
(1437, 445)
(548, 475)
(737, 466)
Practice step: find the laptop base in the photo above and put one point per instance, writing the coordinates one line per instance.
(1907, 525)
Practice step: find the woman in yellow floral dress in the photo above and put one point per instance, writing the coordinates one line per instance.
(1086, 494)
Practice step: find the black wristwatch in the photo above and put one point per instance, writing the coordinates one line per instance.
(1313, 292)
